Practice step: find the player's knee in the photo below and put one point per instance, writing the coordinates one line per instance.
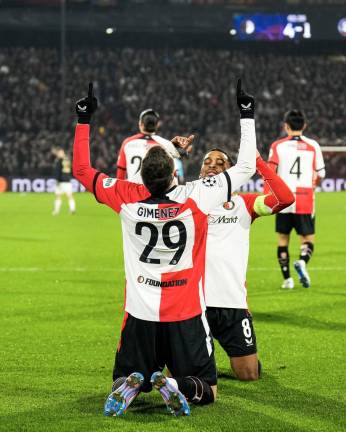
(247, 374)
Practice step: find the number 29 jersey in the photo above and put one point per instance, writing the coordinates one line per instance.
(164, 242)
(164, 239)
(298, 161)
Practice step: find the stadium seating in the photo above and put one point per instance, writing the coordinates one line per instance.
(192, 89)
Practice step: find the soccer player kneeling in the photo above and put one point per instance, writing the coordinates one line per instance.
(164, 239)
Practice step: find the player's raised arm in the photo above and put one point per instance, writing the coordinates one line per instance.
(82, 169)
(107, 190)
(245, 167)
(279, 195)
(218, 188)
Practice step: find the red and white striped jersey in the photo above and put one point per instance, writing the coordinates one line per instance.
(164, 239)
(133, 150)
(298, 161)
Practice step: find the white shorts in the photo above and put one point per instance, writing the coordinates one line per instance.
(63, 188)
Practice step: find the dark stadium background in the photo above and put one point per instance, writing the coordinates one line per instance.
(62, 277)
(178, 56)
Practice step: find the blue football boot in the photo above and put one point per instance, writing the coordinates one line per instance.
(175, 401)
(121, 398)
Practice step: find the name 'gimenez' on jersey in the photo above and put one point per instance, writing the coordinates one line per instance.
(164, 239)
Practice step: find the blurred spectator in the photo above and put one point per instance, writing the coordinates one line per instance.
(192, 89)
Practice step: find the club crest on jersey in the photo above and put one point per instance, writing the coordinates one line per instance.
(229, 205)
(209, 181)
(108, 182)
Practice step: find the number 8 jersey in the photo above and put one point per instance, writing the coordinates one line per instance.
(298, 161)
(164, 239)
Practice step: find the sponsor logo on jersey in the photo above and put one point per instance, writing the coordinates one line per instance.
(222, 219)
(158, 213)
(229, 205)
(108, 182)
(209, 181)
(162, 284)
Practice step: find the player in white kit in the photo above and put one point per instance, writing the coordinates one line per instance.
(164, 240)
(227, 258)
(63, 175)
(299, 162)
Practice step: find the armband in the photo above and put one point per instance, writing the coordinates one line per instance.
(260, 207)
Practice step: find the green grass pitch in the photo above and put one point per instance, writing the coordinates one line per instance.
(61, 302)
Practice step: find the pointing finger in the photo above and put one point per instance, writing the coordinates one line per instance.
(239, 87)
(90, 92)
(190, 138)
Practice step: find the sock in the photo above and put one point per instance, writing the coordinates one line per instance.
(72, 205)
(196, 390)
(57, 205)
(306, 250)
(284, 261)
(118, 382)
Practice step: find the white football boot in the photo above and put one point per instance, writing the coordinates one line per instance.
(303, 274)
(288, 283)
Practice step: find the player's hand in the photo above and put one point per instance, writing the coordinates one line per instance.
(245, 102)
(183, 144)
(87, 106)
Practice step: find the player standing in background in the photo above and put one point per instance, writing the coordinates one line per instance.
(164, 239)
(63, 175)
(134, 148)
(299, 162)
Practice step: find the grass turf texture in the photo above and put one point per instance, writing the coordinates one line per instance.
(61, 310)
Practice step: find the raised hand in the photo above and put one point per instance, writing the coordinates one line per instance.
(183, 143)
(245, 102)
(87, 106)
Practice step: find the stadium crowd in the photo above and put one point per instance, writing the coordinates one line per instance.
(193, 90)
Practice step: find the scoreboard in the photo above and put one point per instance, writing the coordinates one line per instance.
(293, 26)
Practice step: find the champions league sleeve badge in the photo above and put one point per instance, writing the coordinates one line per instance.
(229, 205)
(209, 181)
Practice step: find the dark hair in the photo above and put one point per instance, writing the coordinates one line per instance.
(150, 123)
(295, 119)
(157, 170)
(150, 119)
(224, 152)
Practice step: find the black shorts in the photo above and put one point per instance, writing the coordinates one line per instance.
(185, 347)
(304, 224)
(233, 329)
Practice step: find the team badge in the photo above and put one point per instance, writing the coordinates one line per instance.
(229, 205)
(108, 182)
(209, 181)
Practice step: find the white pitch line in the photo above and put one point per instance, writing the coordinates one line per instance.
(86, 269)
